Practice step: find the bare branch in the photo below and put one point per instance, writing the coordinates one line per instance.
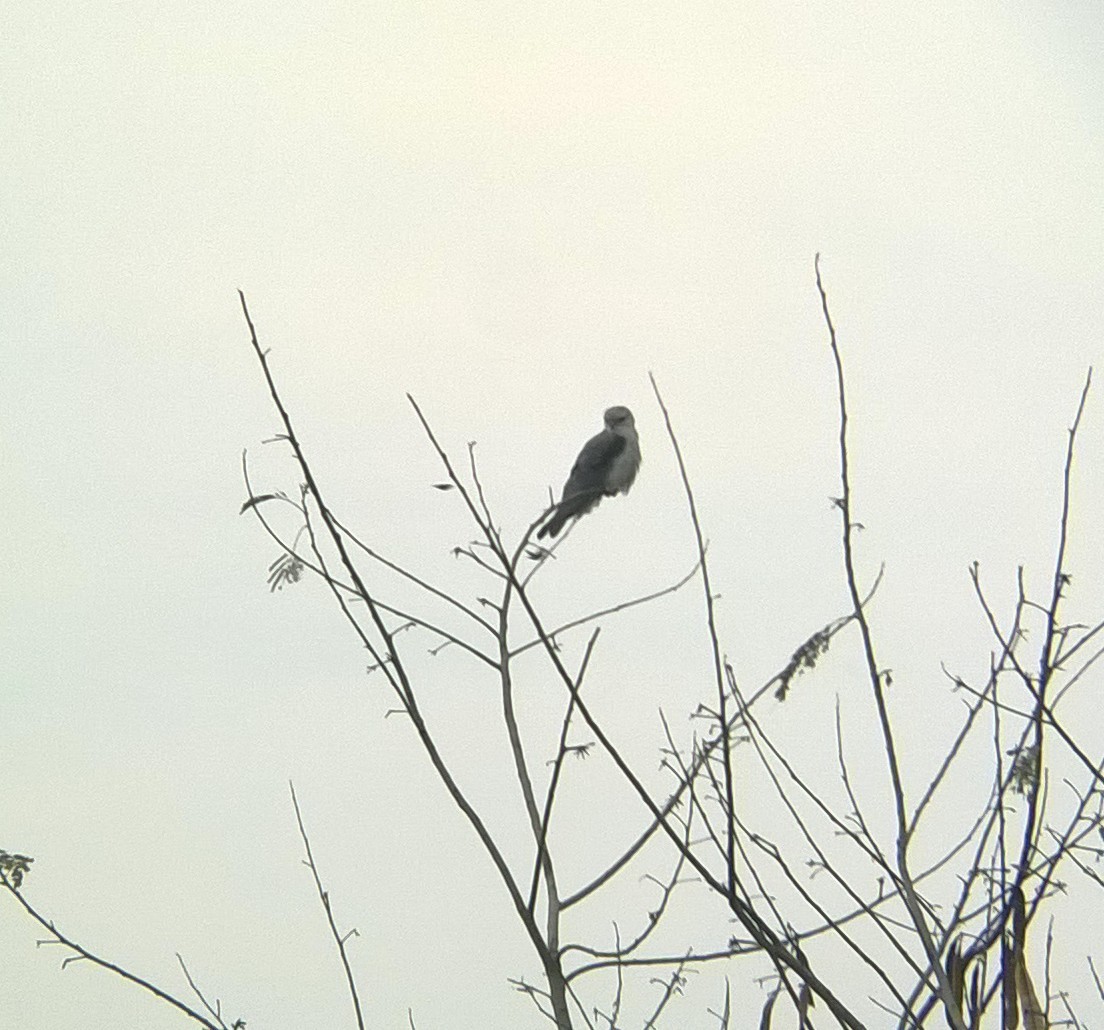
(323, 896)
(79, 951)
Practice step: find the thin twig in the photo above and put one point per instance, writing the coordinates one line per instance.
(324, 897)
(103, 963)
(908, 890)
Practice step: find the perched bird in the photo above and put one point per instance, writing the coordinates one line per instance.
(606, 466)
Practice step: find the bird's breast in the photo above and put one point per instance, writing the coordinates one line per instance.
(623, 470)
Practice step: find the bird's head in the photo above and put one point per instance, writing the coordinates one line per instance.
(619, 418)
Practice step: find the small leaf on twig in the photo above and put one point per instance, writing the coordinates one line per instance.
(443, 486)
(14, 868)
(288, 568)
(977, 982)
(254, 501)
(1011, 1010)
(804, 1003)
(956, 974)
(768, 1007)
(805, 657)
(1025, 769)
(1033, 1014)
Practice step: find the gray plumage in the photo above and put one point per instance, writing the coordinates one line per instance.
(606, 466)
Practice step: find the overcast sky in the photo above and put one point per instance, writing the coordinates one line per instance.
(513, 212)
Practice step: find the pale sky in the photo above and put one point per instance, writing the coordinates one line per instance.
(513, 212)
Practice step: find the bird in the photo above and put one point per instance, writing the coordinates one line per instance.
(606, 466)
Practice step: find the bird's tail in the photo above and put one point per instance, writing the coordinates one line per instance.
(553, 526)
(569, 508)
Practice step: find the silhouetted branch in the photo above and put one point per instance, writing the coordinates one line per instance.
(340, 939)
(79, 951)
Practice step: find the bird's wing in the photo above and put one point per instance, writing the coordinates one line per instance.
(588, 474)
(588, 480)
